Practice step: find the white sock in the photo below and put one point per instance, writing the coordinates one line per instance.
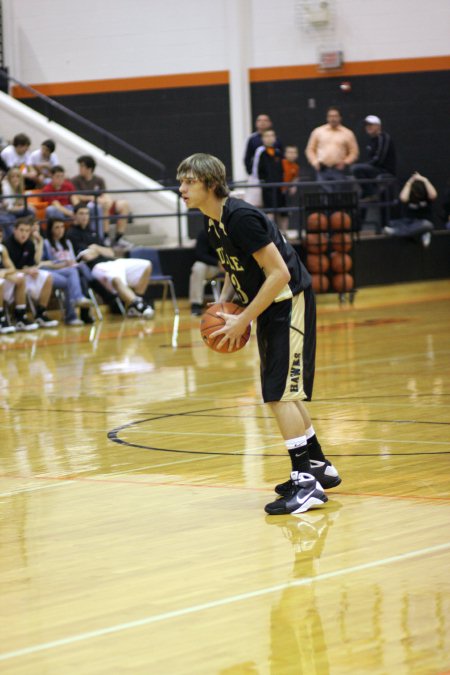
(296, 442)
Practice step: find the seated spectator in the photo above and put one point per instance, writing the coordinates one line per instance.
(205, 268)
(65, 275)
(59, 251)
(126, 277)
(14, 206)
(119, 209)
(60, 206)
(12, 290)
(381, 158)
(416, 197)
(43, 160)
(18, 155)
(39, 283)
(270, 170)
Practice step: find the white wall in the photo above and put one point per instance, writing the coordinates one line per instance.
(48, 41)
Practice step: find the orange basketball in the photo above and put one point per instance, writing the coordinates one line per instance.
(317, 264)
(317, 222)
(340, 262)
(210, 322)
(316, 243)
(341, 242)
(340, 220)
(320, 283)
(342, 282)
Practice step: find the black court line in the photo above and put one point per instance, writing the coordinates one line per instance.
(114, 437)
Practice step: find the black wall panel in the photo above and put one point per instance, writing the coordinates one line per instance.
(167, 124)
(414, 108)
(170, 124)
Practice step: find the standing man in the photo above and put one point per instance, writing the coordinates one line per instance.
(275, 289)
(381, 152)
(254, 141)
(331, 149)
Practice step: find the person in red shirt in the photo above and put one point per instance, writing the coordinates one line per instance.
(291, 174)
(60, 206)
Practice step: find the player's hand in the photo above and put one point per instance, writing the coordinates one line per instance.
(231, 331)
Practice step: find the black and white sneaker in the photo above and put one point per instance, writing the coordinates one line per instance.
(44, 321)
(139, 308)
(324, 472)
(5, 328)
(24, 324)
(306, 493)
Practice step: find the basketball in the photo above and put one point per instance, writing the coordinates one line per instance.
(320, 283)
(317, 264)
(316, 243)
(340, 262)
(342, 282)
(210, 322)
(317, 222)
(340, 220)
(341, 242)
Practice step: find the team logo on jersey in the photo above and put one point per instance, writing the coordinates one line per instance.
(295, 373)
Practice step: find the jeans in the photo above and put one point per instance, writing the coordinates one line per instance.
(68, 280)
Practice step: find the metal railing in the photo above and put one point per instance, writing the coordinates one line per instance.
(384, 201)
(107, 140)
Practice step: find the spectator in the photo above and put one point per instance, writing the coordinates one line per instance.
(43, 160)
(18, 155)
(12, 289)
(416, 197)
(59, 250)
(64, 273)
(291, 174)
(331, 149)
(262, 123)
(206, 267)
(126, 277)
(253, 150)
(381, 152)
(60, 206)
(39, 283)
(270, 170)
(14, 205)
(88, 180)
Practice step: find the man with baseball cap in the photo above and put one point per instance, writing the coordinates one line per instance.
(381, 158)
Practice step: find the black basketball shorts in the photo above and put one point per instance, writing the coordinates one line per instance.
(286, 333)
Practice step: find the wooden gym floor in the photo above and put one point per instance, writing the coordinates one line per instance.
(135, 465)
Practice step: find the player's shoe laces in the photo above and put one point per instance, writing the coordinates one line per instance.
(306, 493)
(324, 472)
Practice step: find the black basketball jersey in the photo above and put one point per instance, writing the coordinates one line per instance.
(242, 231)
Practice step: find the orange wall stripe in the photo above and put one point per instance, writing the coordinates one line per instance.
(127, 84)
(309, 71)
(386, 66)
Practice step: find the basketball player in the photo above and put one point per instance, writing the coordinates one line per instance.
(275, 288)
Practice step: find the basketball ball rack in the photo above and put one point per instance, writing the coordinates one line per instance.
(330, 223)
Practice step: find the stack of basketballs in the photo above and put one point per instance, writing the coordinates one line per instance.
(328, 245)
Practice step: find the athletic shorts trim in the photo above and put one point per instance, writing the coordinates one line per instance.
(286, 334)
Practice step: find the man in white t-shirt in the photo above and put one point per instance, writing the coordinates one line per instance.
(43, 160)
(18, 154)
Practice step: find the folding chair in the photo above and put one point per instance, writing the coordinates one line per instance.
(216, 285)
(157, 276)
